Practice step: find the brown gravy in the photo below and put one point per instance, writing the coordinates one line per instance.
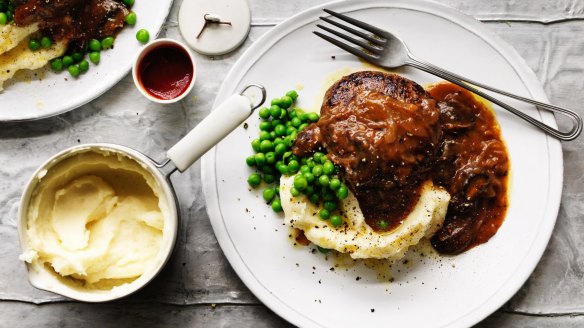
(473, 166)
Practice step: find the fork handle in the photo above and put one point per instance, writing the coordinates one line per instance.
(469, 85)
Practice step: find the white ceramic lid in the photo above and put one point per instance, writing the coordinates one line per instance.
(216, 39)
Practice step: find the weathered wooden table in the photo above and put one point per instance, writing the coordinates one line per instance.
(198, 287)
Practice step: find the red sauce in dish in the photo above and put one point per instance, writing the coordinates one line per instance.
(166, 71)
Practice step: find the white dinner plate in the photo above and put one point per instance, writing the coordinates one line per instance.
(429, 290)
(43, 93)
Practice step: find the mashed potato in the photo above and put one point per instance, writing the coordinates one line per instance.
(15, 54)
(97, 217)
(356, 237)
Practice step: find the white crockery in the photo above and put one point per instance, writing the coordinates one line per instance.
(152, 45)
(440, 291)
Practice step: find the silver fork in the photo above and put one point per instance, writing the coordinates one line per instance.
(386, 50)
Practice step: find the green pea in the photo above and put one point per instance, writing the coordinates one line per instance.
(107, 43)
(272, 135)
(309, 177)
(290, 130)
(266, 146)
(314, 198)
(264, 113)
(277, 189)
(323, 180)
(296, 122)
(294, 192)
(275, 111)
(282, 168)
(254, 180)
(269, 194)
(270, 157)
(143, 36)
(260, 159)
(276, 102)
(293, 166)
(303, 117)
(94, 45)
(330, 205)
(57, 64)
(310, 163)
(74, 70)
(343, 192)
(328, 167)
(309, 190)
(317, 170)
(46, 42)
(313, 117)
(323, 250)
(336, 220)
(292, 94)
(382, 224)
(304, 168)
(302, 126)
(291, 114)
(335, 184)
(67, 61)
(3, 18)
(77, 56)
(255, 144)
(280, 130)
(298, 112)
(131, 18)
(277, 205)
(288, 141)
(9, 16)
(128, 2)
(276, 122)
(324, 214)
(265, 135)
(34, 45)
(83, 66)
(250, 161)
(286, 102)
(265, 126)
(317, 155)
(300, 182)
(94, 57)
(280, 149)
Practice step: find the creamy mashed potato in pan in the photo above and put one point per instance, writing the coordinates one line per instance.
(96, 219)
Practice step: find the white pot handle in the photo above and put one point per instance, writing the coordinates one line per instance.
(213, 128)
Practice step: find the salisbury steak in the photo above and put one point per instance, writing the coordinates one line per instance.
(382, 130)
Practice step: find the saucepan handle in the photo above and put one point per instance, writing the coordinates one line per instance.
(213, 128)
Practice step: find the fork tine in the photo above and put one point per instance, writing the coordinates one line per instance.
(347, 48)
(379, 32)
(352, 40)
(354, 31)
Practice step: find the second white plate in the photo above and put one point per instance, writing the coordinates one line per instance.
(43, 93)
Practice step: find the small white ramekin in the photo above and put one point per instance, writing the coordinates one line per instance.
(140, 57)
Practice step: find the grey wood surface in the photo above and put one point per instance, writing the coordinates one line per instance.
(198, 288)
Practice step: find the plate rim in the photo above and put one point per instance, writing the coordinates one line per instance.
(100, 91)
(522, 70)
